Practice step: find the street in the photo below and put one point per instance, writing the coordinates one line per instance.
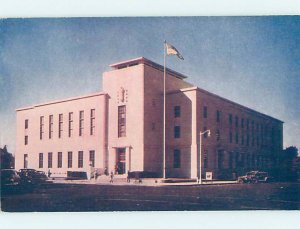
(92, 197)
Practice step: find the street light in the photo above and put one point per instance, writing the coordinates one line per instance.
(200, 166)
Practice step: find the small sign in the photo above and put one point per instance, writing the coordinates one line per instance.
(208, 175)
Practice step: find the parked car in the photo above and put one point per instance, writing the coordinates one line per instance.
(9, 177)
(32, 176)
(255, 177)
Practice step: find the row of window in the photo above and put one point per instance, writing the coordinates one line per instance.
(237, 160)
(243, 122)
(60, 159)
(60, 125)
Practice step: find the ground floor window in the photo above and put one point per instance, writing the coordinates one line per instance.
(59, 160)
(70, 158)
(92, 158)
(49, 160)
(176, 161)
(80, 159)
(40, 160)
(25, 161)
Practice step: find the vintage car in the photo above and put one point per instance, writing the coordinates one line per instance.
(9, 177)
(255, 177)
(32, 176)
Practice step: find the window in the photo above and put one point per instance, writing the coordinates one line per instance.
(70, 130)
(205, 112)
(92, 131)
(153, 126)
(236, 137)
(50, 160)
(41, 160)
(236, 121)
(50, 126)
(230, 119)
(81, 122)
(218, 137)
(26, 139)
(218, 116)
(26, 123)
(80, 159)
(59, 160)
(205, 159)
(247, 124)
(176, 161)
(122, 121)
(206, 134)
(41, 127)
(25, 161)
(177, 132)
(92, 158)
(70, 158)
(231, 156)
(242, 123)
(177, 111)
(60, 125)
(230, 137)
(248, 140)
(243, 140)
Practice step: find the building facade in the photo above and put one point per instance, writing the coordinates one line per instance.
(121, 129)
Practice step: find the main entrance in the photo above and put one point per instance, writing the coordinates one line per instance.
(121, 161)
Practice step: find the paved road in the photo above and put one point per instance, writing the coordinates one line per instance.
(84, 197)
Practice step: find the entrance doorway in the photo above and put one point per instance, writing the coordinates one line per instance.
(121, 161)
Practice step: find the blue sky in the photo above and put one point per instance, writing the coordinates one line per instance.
(254, 61)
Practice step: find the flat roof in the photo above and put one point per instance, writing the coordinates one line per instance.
(143, 60)
(62, 100)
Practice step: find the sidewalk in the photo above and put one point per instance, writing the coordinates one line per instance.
(144, 182)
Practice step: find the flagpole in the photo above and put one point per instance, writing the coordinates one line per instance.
(164, 141)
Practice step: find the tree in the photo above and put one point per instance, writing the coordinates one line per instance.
(288, 164)
(7, 159)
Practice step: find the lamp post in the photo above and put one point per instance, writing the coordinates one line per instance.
(200, 156)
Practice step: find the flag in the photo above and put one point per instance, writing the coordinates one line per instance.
(171, 50)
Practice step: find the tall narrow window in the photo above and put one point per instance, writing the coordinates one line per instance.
(176, 161)
(41, 162)
(242, 123)
(206, 134)
(236, 121)
(80, 159)
(41, 127)
(70, 131)
(70, 159)
(60, 125)
(92, 158)
(49, 160)
(26, 123)
(236, 137)
(218, 137)
(177, 132)
(205, 112)
(81, 122)
(92, 131)
(25, 161)
(177, 111)
(247, 124)
(50, 126)
(230, 119)
(26, 140)
(218, 116)
(122, 121)
(230, 137)
(205, 159)
(59, 160)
